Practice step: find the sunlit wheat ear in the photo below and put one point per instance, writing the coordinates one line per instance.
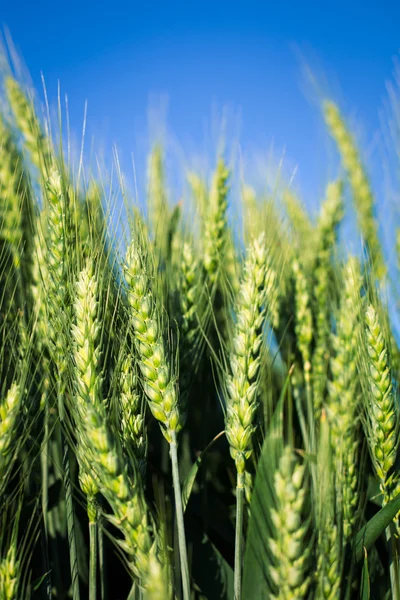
(36, 143)
(362, 193)
(60, 267)
(328, 573)
(298, 217)
(251, 212)
(381, 412)
(290, 545)
(92, 228)
(156, 196)
(154, 361)
(9, 416)
(85, 334)
(262, 214)
(326, 237)
(256, 298)
(133, 427)
(159, 380)
(40, 285)
(199, 192)
(16, 206)
(102, 464)
(214, 237)
(344, 395)
(304, 318)
(329, 564)
(191, 299)
(124, 492)
(9, 574)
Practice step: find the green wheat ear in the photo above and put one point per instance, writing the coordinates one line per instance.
(85, 334)
(329, 567)
(290, 544)
(303, 317)
(344, 396)
(124, 492)
(154, 361)
(298, 218)
(9, 416)
(133, 427)
(381, 411)
(199, 192)
(362, 192)
(102, 462)
(159, 381)
(9, 574)
(36, 142)
(16, 206)
(326, 237)
(216, 222)
(191, 300)
(257, 295)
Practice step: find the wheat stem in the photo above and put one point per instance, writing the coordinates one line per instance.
(73, 558)
(180, 519)
(239, 536)
(393, 561)
(102, 559)
(93, 527)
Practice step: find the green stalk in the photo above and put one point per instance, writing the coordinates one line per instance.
(69, 505)
(70, 522)
(44, 460)
(93, 560)
(239, 536)
(45, 562)
(102, 561)
(44, 463)
(394, 563)
(179, 519)
(311, 416)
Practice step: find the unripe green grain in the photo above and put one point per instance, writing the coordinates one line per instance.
(60, 267)
(328, 582)
(157, 201)
(326, 235)
(36, 143)
(9, 573)
(257, 295)
(299, 220)
(344, 392)
(101, 460)
(9, 413)
(124, 492)
(190, 299)
(154, 362)
(362, 193)
(16, 206)
(329, 567)
(290, 544)
(304, 317)
(216, 222)
(199, 192)
(85, 334)
(382, 415)
(133, 428)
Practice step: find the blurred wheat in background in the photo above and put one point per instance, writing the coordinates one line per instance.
(192, 406)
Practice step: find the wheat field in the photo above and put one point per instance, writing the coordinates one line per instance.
(192, 406)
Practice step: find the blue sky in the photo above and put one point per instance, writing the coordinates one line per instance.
(127, 57)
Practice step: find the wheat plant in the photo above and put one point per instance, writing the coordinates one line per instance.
(199, 399)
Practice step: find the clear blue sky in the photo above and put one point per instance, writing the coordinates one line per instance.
(122, 57)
